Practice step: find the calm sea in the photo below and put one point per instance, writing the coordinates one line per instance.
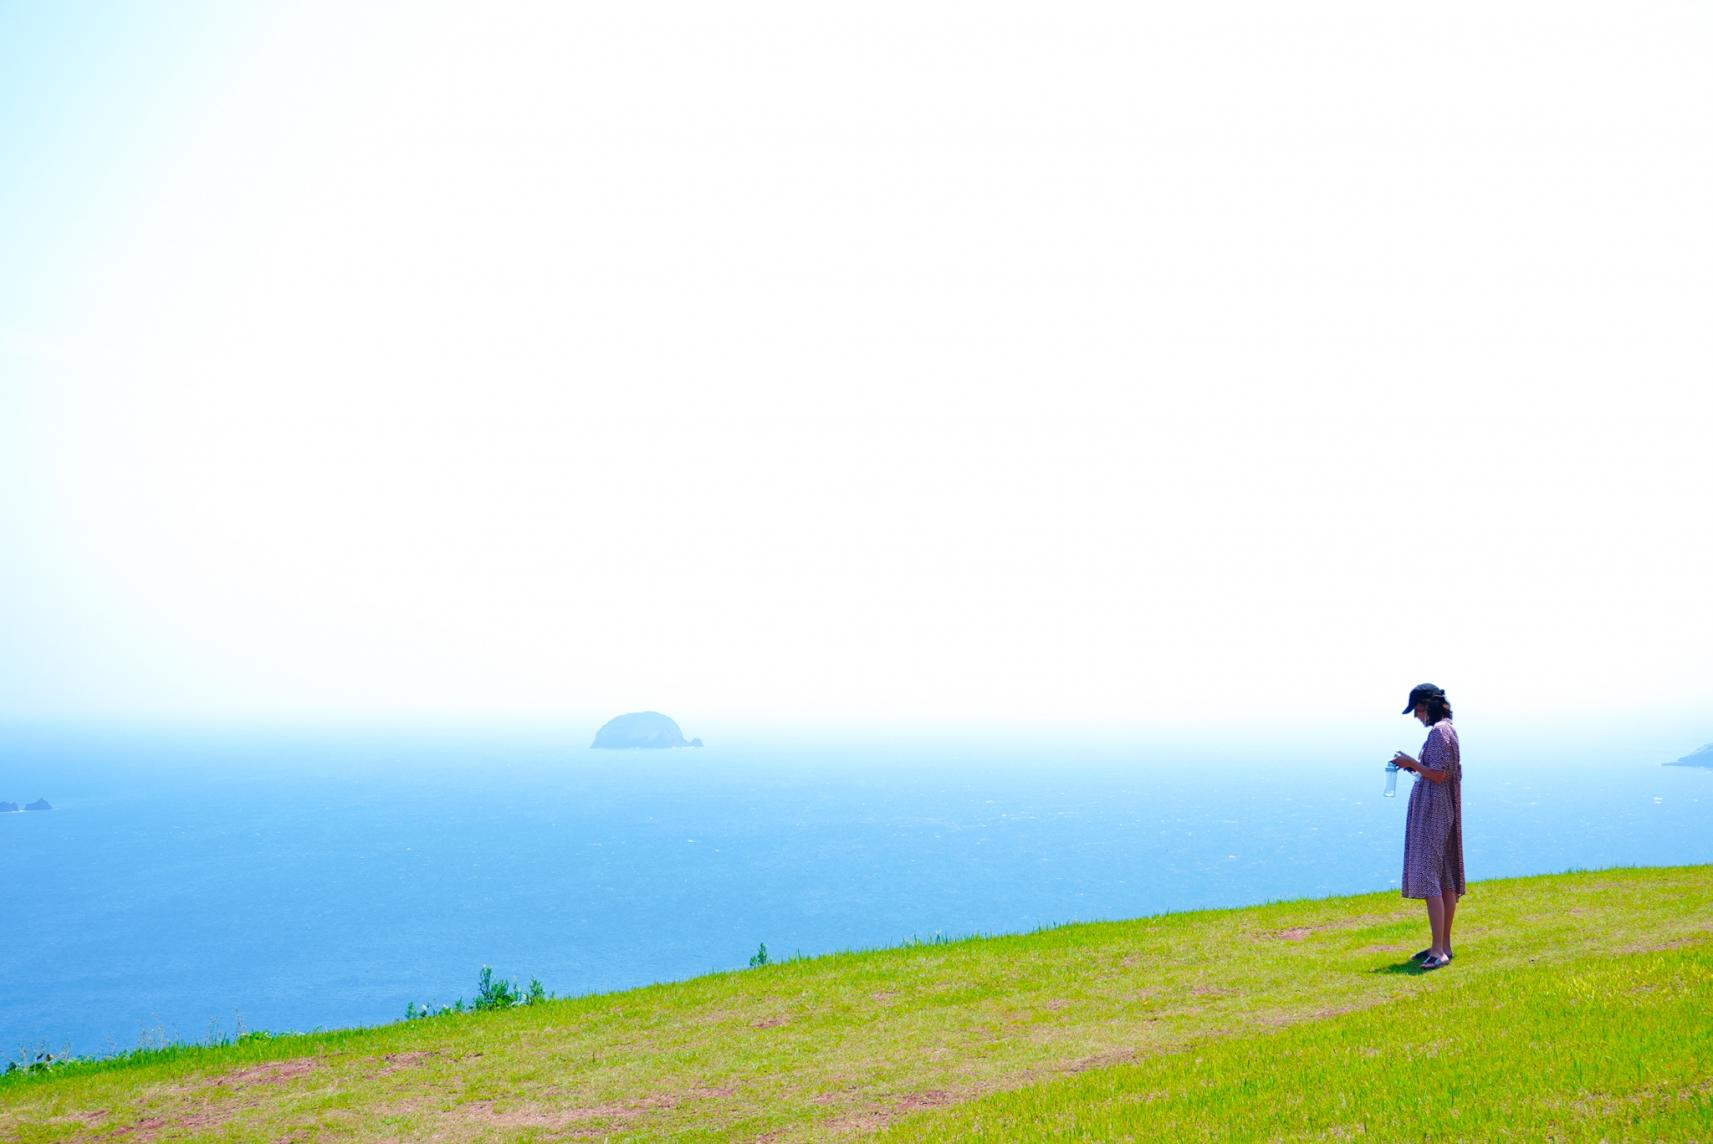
(186, 886)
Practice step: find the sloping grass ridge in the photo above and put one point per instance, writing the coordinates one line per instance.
(1580, 1006)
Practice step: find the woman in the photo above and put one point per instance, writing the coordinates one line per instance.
(1433, 828)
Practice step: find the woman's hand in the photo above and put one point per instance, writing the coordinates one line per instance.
(1408, 764)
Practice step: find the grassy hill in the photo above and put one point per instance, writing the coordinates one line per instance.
(1580, 1006)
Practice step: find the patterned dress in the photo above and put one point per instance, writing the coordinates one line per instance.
(1433, 827)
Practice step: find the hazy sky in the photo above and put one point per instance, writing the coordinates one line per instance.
(863, 362)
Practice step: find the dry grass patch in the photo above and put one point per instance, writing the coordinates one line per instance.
(269, 1072)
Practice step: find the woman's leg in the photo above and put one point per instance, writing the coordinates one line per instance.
(1436, 922)
(1448, 906)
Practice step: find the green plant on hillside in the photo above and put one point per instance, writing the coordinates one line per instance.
(491, 994)
(759, 958)
(39, 1061)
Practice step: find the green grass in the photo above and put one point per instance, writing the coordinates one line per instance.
(1607, 1047)
(1579, 1007)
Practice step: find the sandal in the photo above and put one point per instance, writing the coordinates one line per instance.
(1423, 955)
(1435, 963)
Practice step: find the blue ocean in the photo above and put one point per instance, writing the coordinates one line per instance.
(191, 885)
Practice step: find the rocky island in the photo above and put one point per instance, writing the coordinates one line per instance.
(1701, 758)
(640, 729)
(9, 808)
(39, 804)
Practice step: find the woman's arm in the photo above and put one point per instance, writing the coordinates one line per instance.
(1406, 763)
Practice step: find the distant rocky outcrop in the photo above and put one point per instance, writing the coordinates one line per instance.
(1701, 758)
(39, 804)
(9, 808)
(641, 729)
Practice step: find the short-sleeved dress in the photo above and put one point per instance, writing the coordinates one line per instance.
(1433, 827)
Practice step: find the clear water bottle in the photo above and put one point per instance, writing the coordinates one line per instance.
(1391, 780)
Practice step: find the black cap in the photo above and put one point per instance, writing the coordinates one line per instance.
(1421, 692)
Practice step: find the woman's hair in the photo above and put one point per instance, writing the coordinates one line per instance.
(1438, 707)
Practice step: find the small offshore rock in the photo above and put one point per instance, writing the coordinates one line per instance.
(39, 804)
(9, 808)
(645, 729)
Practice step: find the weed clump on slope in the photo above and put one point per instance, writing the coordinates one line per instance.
(491, 995)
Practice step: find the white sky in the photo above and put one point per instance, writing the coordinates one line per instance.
(877, 363)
